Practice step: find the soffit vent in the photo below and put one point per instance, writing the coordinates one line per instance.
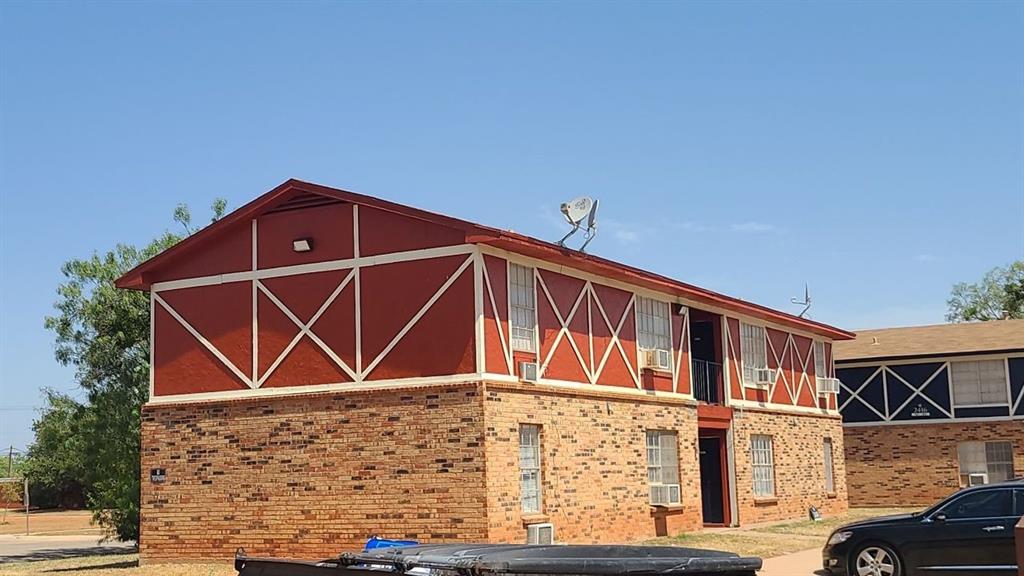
(304, 200)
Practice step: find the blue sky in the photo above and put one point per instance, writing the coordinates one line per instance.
(873, 150)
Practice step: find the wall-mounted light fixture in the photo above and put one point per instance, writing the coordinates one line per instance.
(302, 244)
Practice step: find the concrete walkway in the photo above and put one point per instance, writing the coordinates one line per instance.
(804, 563)
(21, 548)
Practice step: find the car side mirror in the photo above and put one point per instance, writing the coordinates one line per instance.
(940, 517)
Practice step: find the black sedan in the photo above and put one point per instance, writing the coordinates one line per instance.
(968, 533)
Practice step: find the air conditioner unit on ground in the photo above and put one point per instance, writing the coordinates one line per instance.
(528, 371)
(977, 479)
(658, 359)
(828, 386)
(540, 534)
(764, 376)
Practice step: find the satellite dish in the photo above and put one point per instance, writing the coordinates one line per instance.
(575, 212)
(806, 302)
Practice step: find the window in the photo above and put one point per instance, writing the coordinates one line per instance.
(978, 382)
(994, 459)
(820, 370)
(529, 467)
(652, 324)
(663, 467)
(830, 481)
(981, 504)
(764, 465)
(523, 307)
(755, 356)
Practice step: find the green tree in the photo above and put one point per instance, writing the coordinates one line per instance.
(56, 460)
(104, 333)
(999, 294)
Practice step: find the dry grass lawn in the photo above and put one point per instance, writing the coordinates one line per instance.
(49, 522)
(824, 527)
(114, 565)
(774, 540)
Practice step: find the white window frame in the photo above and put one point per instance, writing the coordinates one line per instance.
(830, 470)
(1004, 387)
(653, 324)
(522, 311)
(530, 472)
(749, 368)
(762, 465)
(663, 466)
(981, 460)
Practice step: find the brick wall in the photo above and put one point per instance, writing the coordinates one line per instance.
(593, 464)
(311, 476)
(797, 443)
(916, 465)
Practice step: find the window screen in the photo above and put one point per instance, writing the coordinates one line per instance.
(522, 301)
(978, 382)
(529, 467)
(820, 370)
(830, 481)
(994, 459)
(763, 461)
(663, 467)
(755, 355)
(652, 324)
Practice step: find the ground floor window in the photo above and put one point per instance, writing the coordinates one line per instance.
(985, 462)
(529, 467)
(830, 480)
(763, 462)
(663, 467)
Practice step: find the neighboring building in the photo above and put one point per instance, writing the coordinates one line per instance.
(327, 366)
(928, 409)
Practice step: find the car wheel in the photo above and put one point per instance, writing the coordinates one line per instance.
(876, 560)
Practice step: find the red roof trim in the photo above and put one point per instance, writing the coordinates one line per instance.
(137, 278)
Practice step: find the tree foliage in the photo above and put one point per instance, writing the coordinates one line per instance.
(56, 462)
(103, 332)
(999, 294)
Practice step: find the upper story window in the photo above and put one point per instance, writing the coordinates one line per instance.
(522, 308)
(652, 324)
(754, 353)
(978, 382)
(663, 467)
(820, 369)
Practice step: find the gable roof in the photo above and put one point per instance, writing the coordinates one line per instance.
(140, 277)
(935, 340)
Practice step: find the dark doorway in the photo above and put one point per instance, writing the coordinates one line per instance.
(707, 373)
(703, 341)
(712, 478)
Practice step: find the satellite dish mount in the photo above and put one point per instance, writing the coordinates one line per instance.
(806, 303)
(576, 212)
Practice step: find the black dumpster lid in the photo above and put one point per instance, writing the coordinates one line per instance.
(571, 559)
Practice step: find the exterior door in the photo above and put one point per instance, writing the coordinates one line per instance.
(712, 493)
(971, 534)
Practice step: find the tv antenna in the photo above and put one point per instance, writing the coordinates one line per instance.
(806, 303)
(575, 212)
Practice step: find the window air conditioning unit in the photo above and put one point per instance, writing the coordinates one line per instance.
(540, 534)
(764, 376)
(528, 371)
(828, 386)
(977, 479)
(658, 359)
